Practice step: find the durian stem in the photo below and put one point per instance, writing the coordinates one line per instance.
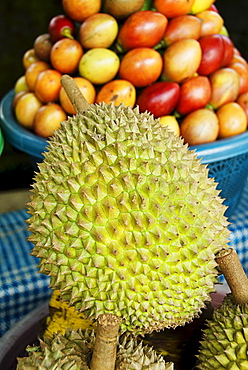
(104, 353)
(234, 273)
(74, 94)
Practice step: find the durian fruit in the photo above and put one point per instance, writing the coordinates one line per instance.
(224, 344)
(73, 351)
(69, 351)
(125, 220)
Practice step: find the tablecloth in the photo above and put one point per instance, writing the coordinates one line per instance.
(22, 287)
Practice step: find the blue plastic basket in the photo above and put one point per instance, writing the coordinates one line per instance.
(227, 159)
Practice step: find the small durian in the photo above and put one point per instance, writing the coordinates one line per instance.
(125, 220)
(73, 351)
(224, 344)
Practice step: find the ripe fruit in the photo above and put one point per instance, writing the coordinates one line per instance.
(172, 8)
(21, 84)
(42, 46)
(86, 88)
(243, 102)
(212, 22)
(121, 9)
(142, 29)
(48, 119)
(106, 209)
(29, 57)
(48, 85)
(141, 66)
(159, 98)
(171, 122)
(181, 60)
(199, 127)
(232, 119)
(65, 55)
(225, 85)
(98, 31)
(33, 71)
(26, 109)
(99, 65)
(79, 10)
(117, 91)
(61, 26)
(182, 27)
(194, 94)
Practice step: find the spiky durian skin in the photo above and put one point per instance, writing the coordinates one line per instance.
(69, 351)
(125, 220)
(134, 355)
(224, 345)
(74, 349)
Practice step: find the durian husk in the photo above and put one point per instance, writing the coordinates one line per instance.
(73, 351)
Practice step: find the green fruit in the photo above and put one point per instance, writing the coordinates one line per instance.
(225, 339)
(70, 351)
(74, 350)
(125, 220)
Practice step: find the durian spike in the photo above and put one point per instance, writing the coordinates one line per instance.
(234, 273)
(104, 352)
(74, 94)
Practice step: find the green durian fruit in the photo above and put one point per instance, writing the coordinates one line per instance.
(125, 220)
(69, 351)
(224, 345)
(73, 350)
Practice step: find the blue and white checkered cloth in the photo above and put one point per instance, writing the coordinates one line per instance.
(23, 288)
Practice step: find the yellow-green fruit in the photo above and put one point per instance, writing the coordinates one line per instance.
(73, 351)
(125, 220)
(225, 339)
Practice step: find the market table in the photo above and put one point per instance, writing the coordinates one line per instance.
(23, 288)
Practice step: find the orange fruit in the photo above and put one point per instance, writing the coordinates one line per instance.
(86, 88)
(78, 10)
(65, 55)
(232, 119)
(48, 85)
(17, 97)
(29, 57)
(33, 71)
(26, 108)
(200, 126)
(117, 92)
(48, 119)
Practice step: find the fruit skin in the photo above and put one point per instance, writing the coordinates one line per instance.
(79, 10)
(101, 220)
(194, 94)
(26, 108)
(201, 5)
(42, 46)
(232, 120)
(200, 126)
(105, 61)
(61, 26)
(141, 29)
(182, 27)
(47, 119)
(224, 343)
(159, 98)
(171, 122)
(98, 31)
(181, 60)
(47, 87)
(65, 55)
(74, 349)
(117, 92)
(172, 8)
(121, 9)
(141, 66)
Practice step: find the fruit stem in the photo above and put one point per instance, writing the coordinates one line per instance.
(74, 94)
(104, 353)
(234, 273)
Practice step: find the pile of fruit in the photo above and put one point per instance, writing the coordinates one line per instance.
(171, 58)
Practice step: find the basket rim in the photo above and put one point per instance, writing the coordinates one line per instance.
(35, 145)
